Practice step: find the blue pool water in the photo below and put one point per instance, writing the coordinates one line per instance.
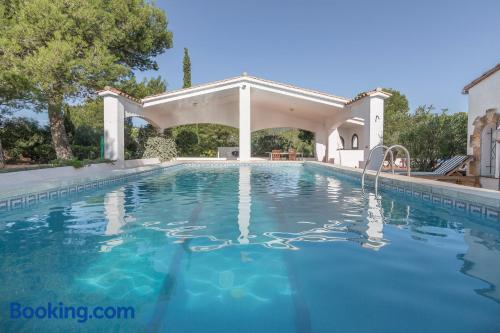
(256, 248)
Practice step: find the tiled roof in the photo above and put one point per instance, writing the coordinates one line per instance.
(121, 93)
(343, 99)
(481, 78)
(367, 93)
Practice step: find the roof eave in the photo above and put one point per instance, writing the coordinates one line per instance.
(482, 77)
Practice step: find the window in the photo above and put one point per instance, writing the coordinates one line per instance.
(342, 143)
(354, 141)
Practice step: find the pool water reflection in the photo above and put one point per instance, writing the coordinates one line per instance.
(253, 248)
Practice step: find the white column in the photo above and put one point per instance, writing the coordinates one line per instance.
(376, 123)
(114, 122)
(332, 145)
(321, 139)
(245, 123)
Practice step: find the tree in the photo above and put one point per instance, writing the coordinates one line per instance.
(264, 142)
(454, 140)
(25, 139)
(396, 116)
(306, 136)
(186, 66)
(84, 122)
(65, 50)
(431, 137)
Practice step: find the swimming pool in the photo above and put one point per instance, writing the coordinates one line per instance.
(251, 248)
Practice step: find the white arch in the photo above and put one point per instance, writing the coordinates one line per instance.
(246, 103)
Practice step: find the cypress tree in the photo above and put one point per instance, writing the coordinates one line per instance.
(187, 69)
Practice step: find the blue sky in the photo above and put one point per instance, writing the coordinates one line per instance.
(427, 49)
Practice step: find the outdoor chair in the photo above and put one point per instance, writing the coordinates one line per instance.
(292, 154)
(275, 155)
(451, 170)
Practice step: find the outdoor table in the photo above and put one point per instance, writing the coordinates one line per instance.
(299, 155)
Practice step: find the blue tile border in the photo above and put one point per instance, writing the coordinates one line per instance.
(33, 198)
(400, 187)
(472, 207)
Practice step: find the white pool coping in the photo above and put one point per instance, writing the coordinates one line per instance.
(18, 183)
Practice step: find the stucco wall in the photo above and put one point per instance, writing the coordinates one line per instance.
(371, 109)
(483, 96)
(349, 158)
(347, 134)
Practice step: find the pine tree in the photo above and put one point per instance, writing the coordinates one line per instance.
(63, 50)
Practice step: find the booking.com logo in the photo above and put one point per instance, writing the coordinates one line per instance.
(61, 311)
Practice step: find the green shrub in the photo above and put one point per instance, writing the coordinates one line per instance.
(160, 147)
(85, 152)
(24, 138)
(74, 163)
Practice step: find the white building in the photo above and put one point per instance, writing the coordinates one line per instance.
(483, 130)
(345, 129)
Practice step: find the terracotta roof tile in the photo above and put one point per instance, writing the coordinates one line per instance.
(121, 93)
(367, 93)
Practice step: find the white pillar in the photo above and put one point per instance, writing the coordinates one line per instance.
(245, 123)
(376, 122)
(114, 123)
(333, 136)
(321, 139)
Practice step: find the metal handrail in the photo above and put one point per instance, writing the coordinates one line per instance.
(369, 160)
(385, 155)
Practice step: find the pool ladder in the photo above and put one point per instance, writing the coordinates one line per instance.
(388, 150)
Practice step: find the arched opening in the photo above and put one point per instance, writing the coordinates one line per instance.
(354, 141)
(137, 130)
(283, 139)
(204, 140)
(349, 143)
(341, 143)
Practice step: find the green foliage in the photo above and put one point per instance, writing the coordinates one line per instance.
(430, 137)
(160, 147)
(262, 144)
(53, 51)
(396, 116)
(186, 67)
(146, 87)
(136, 138)
(202, 139)
(85, 152)
(25, 139)
(185, 140)
(84, 122)
(78, 46)
(306, 136)
(282, 138)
